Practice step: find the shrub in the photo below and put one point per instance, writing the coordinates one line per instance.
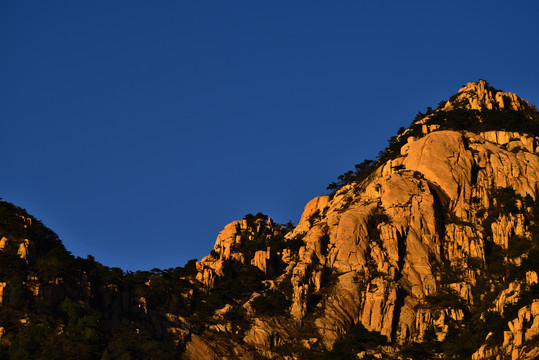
(420, 351)
(362, 171)
(445, 298)
(525, 121)
(131, 343)
(518, 245)
(526, 297)
(241, 281)
(10, 265)
(495, 259)
(17, 293)
(378, 217)
(314, 217)
(272, 303)
(251, 219)
(285, 286)
(295, 243)
(237, 317)
(190, 267)
(355, 340)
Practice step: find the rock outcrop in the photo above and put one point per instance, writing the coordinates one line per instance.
(479, 95)
(402, 253)
(428, 252)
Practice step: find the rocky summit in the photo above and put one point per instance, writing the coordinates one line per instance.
(430, 251)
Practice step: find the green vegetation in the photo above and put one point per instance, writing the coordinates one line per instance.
(459, 118)
(448, 272)
(377, 217)
(260, 236)
(429, 348)
(529, 263)
(518, 246)
(71, 316)
(486, 120)
(463, 340)
(253, 219)
(495, 273)
(314, 217)
(355, 340)
(14, 223)
(17, 292)
(129, 343)
(82, 309)
(271, 303)
(503, 203)
(526, 297)
(361, 172)
(444, 299)
(85, 310)
(241, 281)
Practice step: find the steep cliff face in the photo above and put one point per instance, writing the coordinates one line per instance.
(412, 251)
(431, 251)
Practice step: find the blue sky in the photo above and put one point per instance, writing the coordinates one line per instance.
(138, 129)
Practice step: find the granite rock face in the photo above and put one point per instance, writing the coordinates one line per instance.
(421, 227)
(478, 95)
(429, 252)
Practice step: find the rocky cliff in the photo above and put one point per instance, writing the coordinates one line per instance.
(431, 251)
(411, 251)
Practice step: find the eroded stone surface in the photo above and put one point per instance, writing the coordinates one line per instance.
(376, 252)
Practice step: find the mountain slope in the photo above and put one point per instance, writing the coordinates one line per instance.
(431, 251)
(408, 245)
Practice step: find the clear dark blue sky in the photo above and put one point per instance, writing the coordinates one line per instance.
(138, 129)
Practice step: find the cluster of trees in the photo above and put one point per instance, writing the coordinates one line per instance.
(271, 303)
(259, 237)
(525, 121)
(63, 321)
(459, 118)
(498, 270)
(355, 340)
(361, 172)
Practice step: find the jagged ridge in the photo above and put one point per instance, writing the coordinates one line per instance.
(430, 251)
(402, 250)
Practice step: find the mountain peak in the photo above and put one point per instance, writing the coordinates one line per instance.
(480, 95)
(429, 252)
(477, 107)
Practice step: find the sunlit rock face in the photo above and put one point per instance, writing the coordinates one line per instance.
(406, 251)
(428, 252)
(479, 95)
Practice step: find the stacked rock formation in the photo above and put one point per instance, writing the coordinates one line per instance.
(431, 251)
(379, 252)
